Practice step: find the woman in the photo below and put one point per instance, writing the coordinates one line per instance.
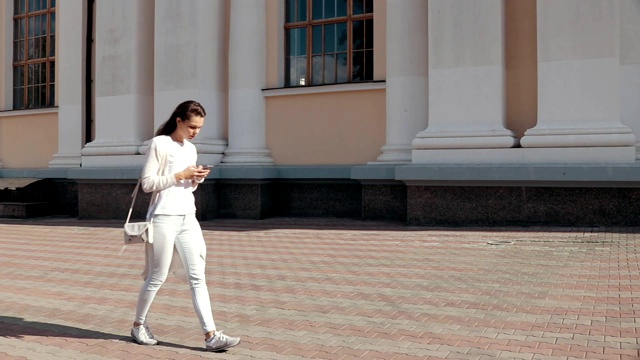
(170, 172)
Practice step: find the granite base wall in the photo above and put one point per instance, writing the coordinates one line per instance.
(384, 202)
(242, 200)
(112, 200)
(415, 205)
(65, 197)
(228, 199)
(462, 206)
(341, 199)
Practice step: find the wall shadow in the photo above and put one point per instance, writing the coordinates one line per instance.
(330, 223)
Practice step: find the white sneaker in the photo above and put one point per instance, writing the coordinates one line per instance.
(220, 341)
(146, 327)
(143, 335)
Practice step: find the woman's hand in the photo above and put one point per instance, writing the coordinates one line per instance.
(196, 173)
(201, 173)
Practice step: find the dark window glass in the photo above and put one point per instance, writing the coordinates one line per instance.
(341, 37)
(19, 7)
(317, 39)
(317, 11)
(341, 8)
(362, 7)
(52, 96)
(329, 9)
(296, 11)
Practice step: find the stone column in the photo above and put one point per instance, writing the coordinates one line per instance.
(466, 82)
(579, 83)
(247, 78)
(407, 80)
(190, 64)
(124, 83)
(70, 60)
(630, 67)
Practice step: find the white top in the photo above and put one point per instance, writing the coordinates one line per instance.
(165, 158)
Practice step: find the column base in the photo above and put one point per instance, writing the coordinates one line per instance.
(558, 155)
(394, 154)
(66, 161)
(110, 148)
(209, 159)
(247, 157)
(210, 146)
(118, 161)
(490, 139)
(209, 152)
(613, 136)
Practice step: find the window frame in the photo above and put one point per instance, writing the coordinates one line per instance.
(48, 60)
(349, 19)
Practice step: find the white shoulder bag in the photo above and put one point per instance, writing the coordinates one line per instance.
(137, 232)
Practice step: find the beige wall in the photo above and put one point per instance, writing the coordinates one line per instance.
(322, 129)
(28, 141)
(380, 39)
(521, 58)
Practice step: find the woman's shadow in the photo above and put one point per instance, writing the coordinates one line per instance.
(18, 328)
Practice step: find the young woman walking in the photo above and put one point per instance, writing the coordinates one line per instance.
(171, 174)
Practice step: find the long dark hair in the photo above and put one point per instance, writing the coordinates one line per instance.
(185, 111)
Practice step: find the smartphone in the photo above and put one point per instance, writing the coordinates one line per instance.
(206, 167)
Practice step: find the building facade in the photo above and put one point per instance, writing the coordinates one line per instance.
(425, 111)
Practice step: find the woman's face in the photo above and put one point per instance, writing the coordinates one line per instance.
(188, 129)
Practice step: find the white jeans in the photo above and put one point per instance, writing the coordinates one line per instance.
(182, 232)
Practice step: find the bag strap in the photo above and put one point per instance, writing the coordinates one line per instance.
(133, 195)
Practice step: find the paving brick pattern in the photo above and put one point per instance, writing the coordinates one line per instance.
(329, 289)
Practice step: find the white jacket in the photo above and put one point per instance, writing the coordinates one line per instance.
(156, 177)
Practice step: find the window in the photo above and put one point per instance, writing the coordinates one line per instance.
(34, 24)
(328, 41)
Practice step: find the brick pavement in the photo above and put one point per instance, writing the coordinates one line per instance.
(329, 289)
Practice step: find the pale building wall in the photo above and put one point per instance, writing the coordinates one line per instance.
(29, 141)
(348, 127)
(630, 67)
